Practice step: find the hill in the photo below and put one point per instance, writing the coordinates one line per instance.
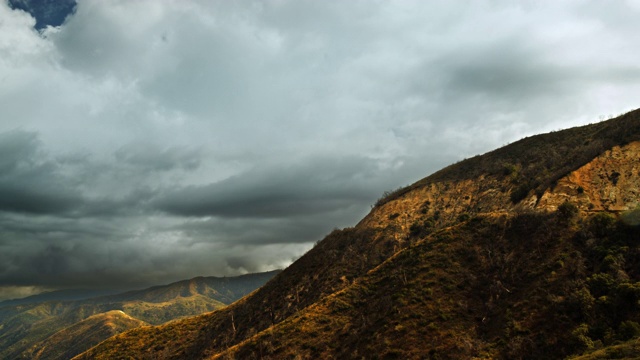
(24, 326)
(83, 335)
(529, 251)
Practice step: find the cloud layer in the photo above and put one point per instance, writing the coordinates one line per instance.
(149, 141)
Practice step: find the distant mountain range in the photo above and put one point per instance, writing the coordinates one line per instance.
(59, 295)
(531, 251)
(60, 325)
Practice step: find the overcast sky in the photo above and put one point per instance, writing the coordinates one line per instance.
(143, 142)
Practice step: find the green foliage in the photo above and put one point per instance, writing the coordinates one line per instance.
(602, 225)
(601, 284)
(567, 210)
(628, 330)
(509, 169)
(581, 337)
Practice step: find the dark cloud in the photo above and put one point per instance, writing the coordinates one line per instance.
(148, 141)
(29, 182)
(286, 230)
(313, 187)
(506, 70)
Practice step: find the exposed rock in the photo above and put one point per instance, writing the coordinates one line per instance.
(610, 182)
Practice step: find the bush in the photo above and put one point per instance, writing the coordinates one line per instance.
(421, 228)
(628, 330)
(519, 193)
(602, 225)
(567, 210)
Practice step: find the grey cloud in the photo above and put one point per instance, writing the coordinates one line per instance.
(29, 182)
(151, 157)
(300, 230)
(313, 187)
(507, 71)
(169, 139)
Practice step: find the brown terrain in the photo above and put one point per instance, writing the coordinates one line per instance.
(529, 251)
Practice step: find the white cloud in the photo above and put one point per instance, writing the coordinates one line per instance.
(134, 100)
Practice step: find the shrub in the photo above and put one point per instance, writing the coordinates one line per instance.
(508, 169)
(602, 224)
(628, 330)
(567, 210)
(421, 228)
(580, 336)
(519, 193)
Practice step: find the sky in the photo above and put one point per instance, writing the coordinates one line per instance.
(149, 141)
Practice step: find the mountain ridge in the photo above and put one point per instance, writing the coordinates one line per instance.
(24, 328)
(440, 261)
(58, 295)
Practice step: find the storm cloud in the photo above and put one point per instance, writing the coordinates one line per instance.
(143, 142)
(313, 187)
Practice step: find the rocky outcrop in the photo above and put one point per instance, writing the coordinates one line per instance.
(610, 182)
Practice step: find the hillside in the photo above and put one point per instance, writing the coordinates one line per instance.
(529, 251)
(25, 325)
(83, 335)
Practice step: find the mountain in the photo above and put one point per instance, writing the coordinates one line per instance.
(85, 334)
(59, 295)
(26, 328)
(529, 251)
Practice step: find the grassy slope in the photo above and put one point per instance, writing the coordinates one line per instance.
(345, 257)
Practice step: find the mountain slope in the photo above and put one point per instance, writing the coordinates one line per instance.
(83, 335)
(476, 290)
(23, 326)
(471, 261)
